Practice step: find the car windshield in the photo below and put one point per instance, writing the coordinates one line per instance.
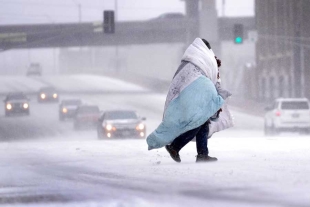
(72, 102)
(17, 96)
(121, 115)
(47, 90)
(171, 16)
(88, 110)
(294, 105)
(34, 69)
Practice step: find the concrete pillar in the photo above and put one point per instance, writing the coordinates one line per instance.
(192, 8)
(192, 14)
(209, 24)
(202, 22)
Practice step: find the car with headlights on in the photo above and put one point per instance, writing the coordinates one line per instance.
(48, 94)
(86, 116)
(16, 103)
(34, 69)
(68, 107)
(121, 123)
(287, 114)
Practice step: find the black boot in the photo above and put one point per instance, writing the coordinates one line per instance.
(205, 158)
(173, 153)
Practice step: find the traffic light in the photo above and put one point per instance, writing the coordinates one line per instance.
(108, 22)
(238, 33)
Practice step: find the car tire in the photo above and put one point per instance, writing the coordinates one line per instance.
(267, 130)
(304, 131)
(76, 126)
(100, 134)
(274, 131)
(61, 118)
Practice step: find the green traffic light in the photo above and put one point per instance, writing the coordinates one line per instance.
(238, 40)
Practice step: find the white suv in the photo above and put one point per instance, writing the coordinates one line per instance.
(287, 114)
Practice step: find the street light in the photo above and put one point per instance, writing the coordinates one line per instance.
(54, 49)
(116, 9)
(79, 9)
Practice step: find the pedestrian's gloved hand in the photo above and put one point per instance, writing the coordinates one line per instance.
(222, 92)
(216, 115)
(219, 111)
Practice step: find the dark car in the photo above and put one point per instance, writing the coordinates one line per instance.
(48, 94)
(169, 16)
(68, 107)
(16, 103)
(86, 116)
(120, 123)
(34, 69)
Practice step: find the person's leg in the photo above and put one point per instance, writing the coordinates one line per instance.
(179, 143)
(202, 140)
(202, 144)
(182, 140)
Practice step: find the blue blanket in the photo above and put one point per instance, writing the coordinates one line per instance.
(193, 106)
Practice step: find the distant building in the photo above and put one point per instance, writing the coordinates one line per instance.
(283, 61)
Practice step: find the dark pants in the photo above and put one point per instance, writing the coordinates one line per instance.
(201, 134)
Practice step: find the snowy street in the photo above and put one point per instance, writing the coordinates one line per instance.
(44, 162)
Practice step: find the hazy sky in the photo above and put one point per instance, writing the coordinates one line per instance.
(44, 11)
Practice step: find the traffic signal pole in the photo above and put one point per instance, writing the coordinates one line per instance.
(116, 43)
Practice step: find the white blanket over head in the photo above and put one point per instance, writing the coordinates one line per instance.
(203, 57)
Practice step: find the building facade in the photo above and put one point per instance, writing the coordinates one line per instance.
(282, 49)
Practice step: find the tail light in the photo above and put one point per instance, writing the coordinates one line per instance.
(278, 113)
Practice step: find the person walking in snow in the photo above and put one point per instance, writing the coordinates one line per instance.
(192, 100)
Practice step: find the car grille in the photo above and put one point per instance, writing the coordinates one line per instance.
(17, 105)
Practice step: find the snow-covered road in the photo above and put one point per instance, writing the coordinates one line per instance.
(43, 162)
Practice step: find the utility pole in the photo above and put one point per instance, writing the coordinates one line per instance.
(223, 8)
(116, 10)
(54, 49)
(80, 13)
(302, 68)
(298, 53)
(79, 10)
(116, 44)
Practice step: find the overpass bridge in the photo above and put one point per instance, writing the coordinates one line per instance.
(127, 33)
(197, 22)
(90, 34)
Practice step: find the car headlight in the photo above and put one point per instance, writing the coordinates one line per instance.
(25, 105)
(108, 127)
(8, 106)
(64, 110)
(140, 127)
(55, 95)
(43, 96)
